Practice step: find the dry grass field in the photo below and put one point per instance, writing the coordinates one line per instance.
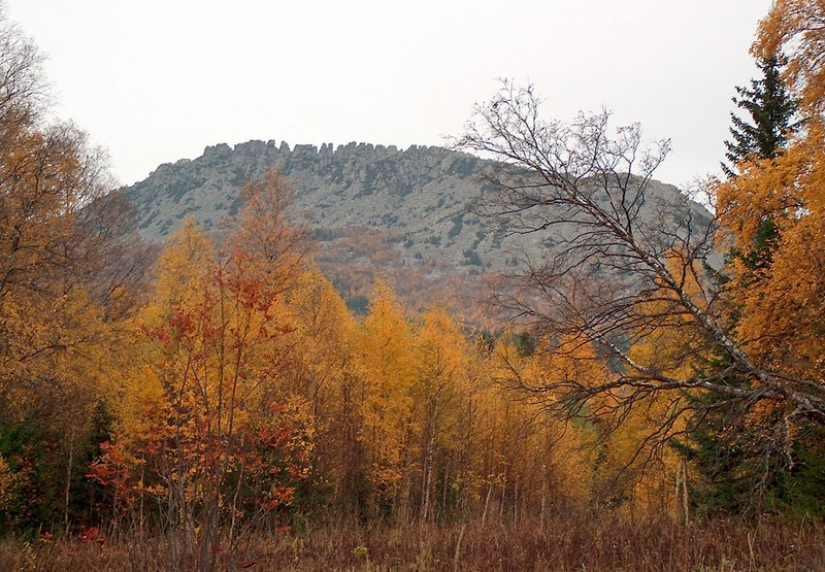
(561, 545)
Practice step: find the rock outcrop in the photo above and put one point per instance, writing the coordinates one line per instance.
(420, 195)
(370, 205)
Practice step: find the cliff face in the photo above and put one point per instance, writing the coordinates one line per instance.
(420, 194)
(375, 206)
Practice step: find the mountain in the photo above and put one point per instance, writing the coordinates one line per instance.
(403, 213)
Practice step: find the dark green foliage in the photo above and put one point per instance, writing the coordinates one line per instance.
(498, 235)
(471, 258)
(761, 254)
(803, 486)
(743, 466)
(458, 223)
(358, 305)
(323, 235)
(739, 475)
(235, 207)
(526, 343)
(732, 477)
(149, 220)
(178, 188)
(39, 459)
(24, 449)
(89, 499)
(737, 471)
(771, 111)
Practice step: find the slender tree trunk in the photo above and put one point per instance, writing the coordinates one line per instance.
(486, 505)
(426, 484)
(543, 496)
(681, 497)
(68, 489)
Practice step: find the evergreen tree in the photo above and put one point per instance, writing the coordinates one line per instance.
(736, 472)
(771, 110)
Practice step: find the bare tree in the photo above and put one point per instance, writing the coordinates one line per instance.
(23, 97)
(628, 266)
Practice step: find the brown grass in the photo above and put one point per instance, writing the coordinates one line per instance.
(584, 544)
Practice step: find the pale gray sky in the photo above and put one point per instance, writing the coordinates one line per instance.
(154, 81)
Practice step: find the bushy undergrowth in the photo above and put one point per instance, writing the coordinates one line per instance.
(580, 543)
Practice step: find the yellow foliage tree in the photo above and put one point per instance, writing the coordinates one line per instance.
(798, 27)
(441, 382)
(388, 368)
(548, 459)
(322, 368)
(778, 305)
(56, 285)
(206, 427)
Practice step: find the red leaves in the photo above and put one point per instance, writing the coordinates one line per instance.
(182, 321)
(92, 535)
(212, 440)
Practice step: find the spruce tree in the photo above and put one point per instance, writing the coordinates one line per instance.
(771, 109)
(736, 472)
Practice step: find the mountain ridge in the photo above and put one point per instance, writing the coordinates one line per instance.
(376, 206)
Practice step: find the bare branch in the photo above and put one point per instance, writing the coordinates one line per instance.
(629, 261)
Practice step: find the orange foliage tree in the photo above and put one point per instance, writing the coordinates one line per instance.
(61, 292)
(204, 429)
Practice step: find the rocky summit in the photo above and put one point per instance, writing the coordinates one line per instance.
(403, 213)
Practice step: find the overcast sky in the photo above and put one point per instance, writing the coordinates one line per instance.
(154, 81)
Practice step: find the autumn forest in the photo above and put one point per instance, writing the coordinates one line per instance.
(651, 397)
